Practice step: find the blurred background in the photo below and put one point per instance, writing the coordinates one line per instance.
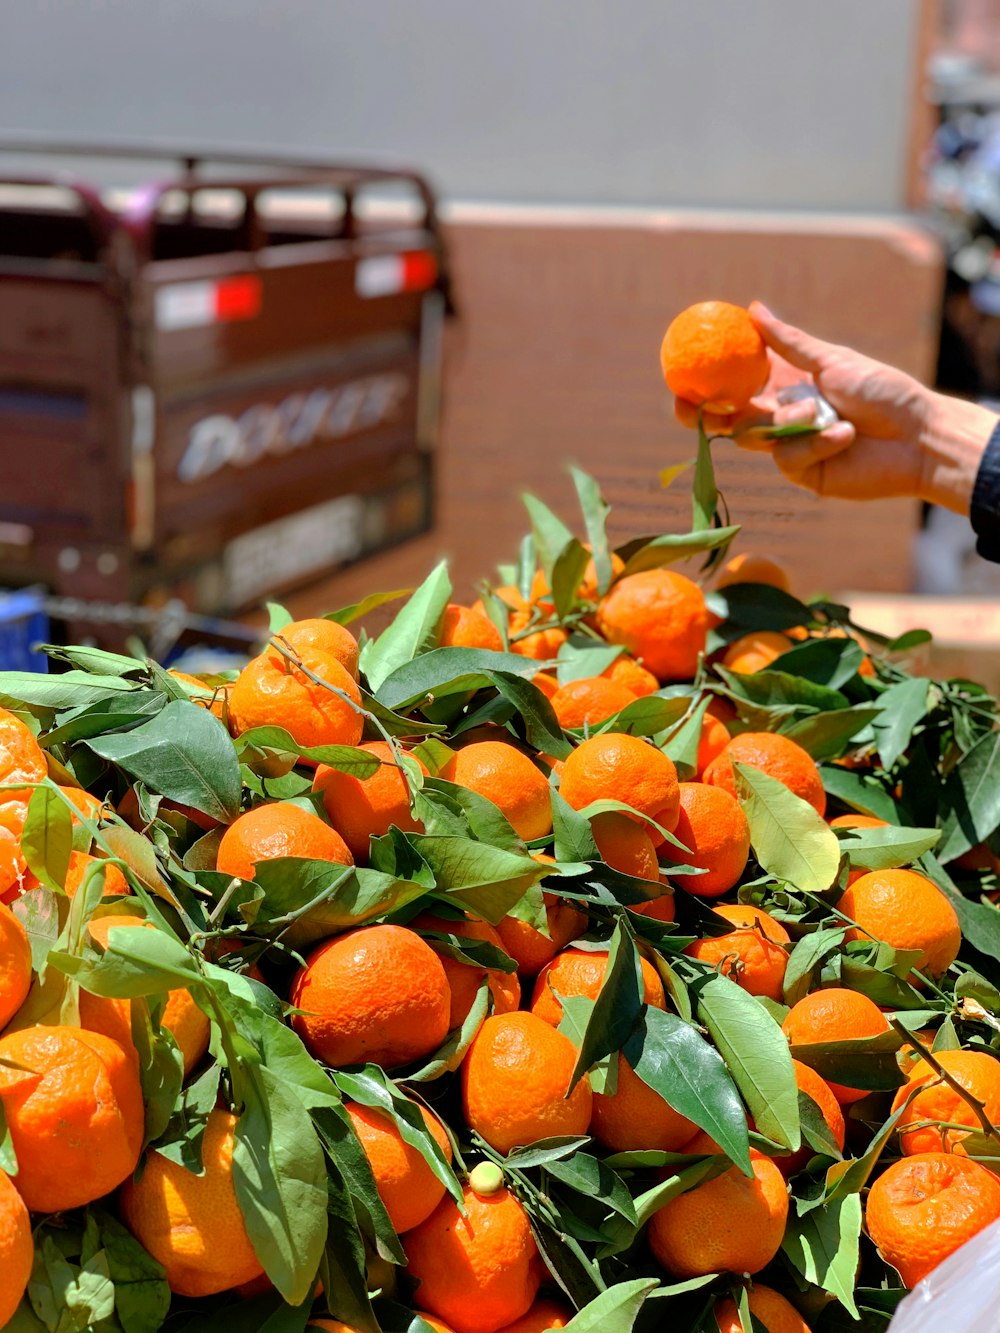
(593, 169)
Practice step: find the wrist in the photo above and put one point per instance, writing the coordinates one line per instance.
(953, 438)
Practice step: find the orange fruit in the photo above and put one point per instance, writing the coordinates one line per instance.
(587, 588)
(115, 883)
(530, 948)
(407, 1186)
(714, 739)
(279, 829)
(479, 1271)
(809, 1082)
(364, 808)
(755, 652)
(191, 1224)
(74, 1112)
(732, 1223)
(15, 965)
(751, 954)
(715, 832)
(328, 636)
(834, 1015)
(660, 616)
(748, 567)
(634, 1118)
(922, 1208)
(376, 994)
(17, 1249)
(543, 1315)
(576, 972)
(21, 757)
(589, 701)
(774, 1312)
(464, 627)
(907, 911)
(13, 867)
(271, 691)
(540, 644)
(975, 1071)
(190, 1026)
(464, 980)
(509, 779)
(515, 1079)
(713, 356)
(633, 675)
(545, 682)
(778, 757)
(214, 698)
(858, 821)
(625, 845)
(663, 908)
(623, 768)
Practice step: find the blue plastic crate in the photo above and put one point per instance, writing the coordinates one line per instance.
(23, 625)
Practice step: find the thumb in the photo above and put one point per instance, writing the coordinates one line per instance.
(800, 349)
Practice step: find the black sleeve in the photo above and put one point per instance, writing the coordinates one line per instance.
(985, 513)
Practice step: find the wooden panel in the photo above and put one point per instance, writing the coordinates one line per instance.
(554, 358)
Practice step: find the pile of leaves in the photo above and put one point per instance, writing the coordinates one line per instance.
(921, 754)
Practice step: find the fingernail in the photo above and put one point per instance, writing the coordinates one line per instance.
(762, 308)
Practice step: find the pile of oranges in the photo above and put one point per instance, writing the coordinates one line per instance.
(491, 1000)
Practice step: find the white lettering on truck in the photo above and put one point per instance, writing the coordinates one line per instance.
(299, 420)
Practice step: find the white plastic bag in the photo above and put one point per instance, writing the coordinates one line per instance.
(962, 1295)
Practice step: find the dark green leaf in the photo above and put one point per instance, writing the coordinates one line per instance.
(825, 735)
(617, 1007)
(808, 955)
(142, 1297)
(773, 688)
(829, 662)
(486, 880)
(655, 552)
(863, 1062)
(901, 708)
(344, 758)
(412, 631)
(971, 799)
(860, 791)
(756, 606)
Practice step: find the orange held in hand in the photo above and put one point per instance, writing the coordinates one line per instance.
(659, 616)
(713, 356)
(923, 1208)
(479, 1271)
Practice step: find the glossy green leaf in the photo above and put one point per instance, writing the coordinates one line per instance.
(885, 848)
(668, 549)
(826, 735)
(824, 1247)
(829, 662)
(595, 511)
(790, 840)
(860, 791)
(863, 1062)
(617, 1308)
(901, 708)
(411, 632)
(971, 801)
(348, 614)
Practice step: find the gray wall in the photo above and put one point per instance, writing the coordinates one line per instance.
(752, 103)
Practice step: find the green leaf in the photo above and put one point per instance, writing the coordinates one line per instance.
(280, 1178)
(970, 802)
(142, 1297)
(278, 617)
(582, 659)
(590, 1177)
(757, 1055)
(344, 758)
(95, 661)
(790, 840)
(863, 1062)
(574, 835)
(672, 1058)
(824, 1246)
(47, 837)
(617, 1007)
(756, 606)
(595, 511)
(860, 791)
(348, 614)
(337, 1132)
(886, 848)
(656, 552)
(566, 574)
(617, 1308)
(704, 495)
(71, 689)
(647, 716)
(184, 754)
(807, 955)
(682, 744)
(980, 923)
(445, 671)
(485, 880)
(57, 1288)
(182, 1136)
(773, 689)
(901, 708)
(550, 533)
(322, 898)
(541, 726)
(829, 662)
(825, 735)
(412, 631)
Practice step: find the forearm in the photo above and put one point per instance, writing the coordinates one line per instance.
(953, 438)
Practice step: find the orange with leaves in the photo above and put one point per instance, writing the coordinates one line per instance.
(755, 652)
(529, 947)
(659, 616)
(588, 701)
(407, 1186)
(364, 808)
(713, 356)
(464, 979)
(274, 691)
(625, 845)
(375, 994)
(834, 1014)
(809, 1082)
(731, 1223)
(623, 768)
(922, 1208)
(633, 675)
(543, 1315)
(15, 965)
(184, 1020)
(581, 972)
(214, 698)
(661, 908)
(327, 636)
(752, 953)
(635, 1118)
(778, 757)
(17, 1249)
(937, 1101)
(515, 1083)
(713, 740)
(906, 911)
(74, 1111)
(769, 1306)
(509, 779)
(714, 831)
(279, 829)
(465, 627)
(749, 567)
(21, 757)
(478, 1271)
(192, 1224)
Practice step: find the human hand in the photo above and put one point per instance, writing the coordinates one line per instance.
(895, 436)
